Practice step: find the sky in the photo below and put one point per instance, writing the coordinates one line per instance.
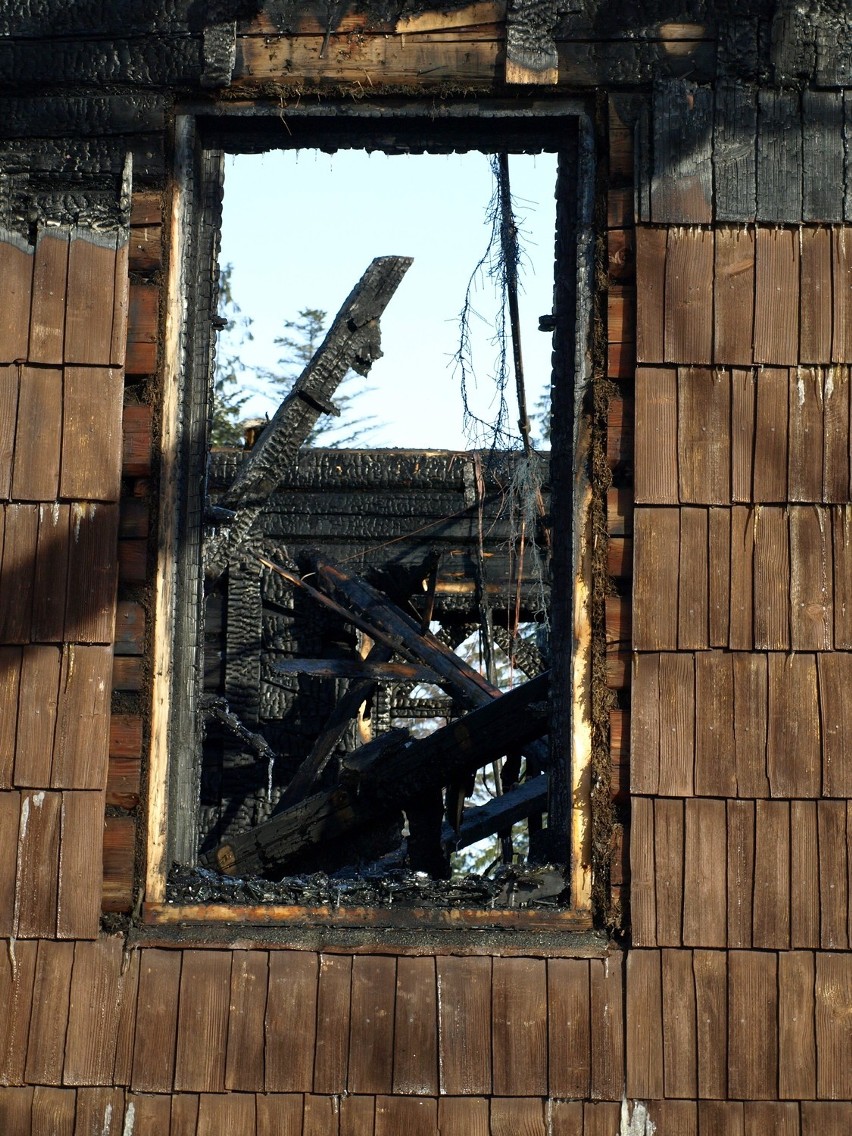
(300, 228)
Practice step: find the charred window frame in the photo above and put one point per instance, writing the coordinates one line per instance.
(201, 141)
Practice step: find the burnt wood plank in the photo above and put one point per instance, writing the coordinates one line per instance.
(642, 872)
(771, 580)
(720, 577)
(804, 875)
(779, 156)
(156, 1021)
(715, 757)
(793, 743)
(16, 989)
(93, 1012)
(655, 573)
(90, 298)
(776, 305)
(92, 571)
(833, 996)
(644, 1025)
(836, 446)
(704, 886)
(569, 1054)
(49, 1017)
(81, 745)
(91, 434)
(689, 296)
(677, 715)
(680, 1041)
(734, 152)
(771, 914)
(841, 255)
(752, 1025)
(796, 1037)
(37, 706)
(682, 179)
(741, 836)
(669, 860)
(243, 639)
(38, 436)
(47, 316)
(805, 458)
(656, 437)
(16, 272)
(519, 1026)
(733, 296)
(822, 155)
(645, 724)
(742, 578)
(811, 584)
(38, 865)
(8, 422)
(19, 554)
(244, 1061)
(292, 998)
(693, 588)
(415, 1043)
(333, 1007)
(205, 984)
(650, 294)
(816, 295)
(743, 414)
(842, 548)
(607, 1000)
(372, 1022)
(750, 726)
(10, 816)
(833, 875)
(51, 573)
(835, 682)
(704, 435)
(80, 869)
(464, 1032)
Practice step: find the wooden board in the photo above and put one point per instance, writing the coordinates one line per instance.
(796, 1040)
(816, 295)
(752, 1025)
(156, 1021)
(743, 522)
(371, 1029)
(513, 1115)
(568, 1045)
(693, 588)
(125, 1030)
(842, 548)
(38, 866)
(771, 580)
(82, 725)
(8, 423)
(519, 1027)
(606, 984)
(49, 1018)
(464, 1025)
(93, 1012)
(16, 272)
(715, 756)
(80, 869)
(669, 859)
(281, 1114)
(776, 303)
(841, 336)
(650, 292)
(51, 573)
(415, 1045)
(750, 709)
(822, 155)
(680, 1042)
(734, 151)
(38, 435)
(740, 872)
(292, 998)
(656, 436)
(54, 1111)
(835, 677)
(121, 307)
(833, 875)
(47, 317)
(90, 611)
(244, 1064)
(811, 584)
(793, 743)
(10, 678)
(705, 849)
(704, 435)
(682, 128)
(142, 329)
(137, 440)
(205, 984)
(677, 714)
(689, 296)
(836, 436)
(833, 995)
(642, 872)
(771, 916)
(743, 411)
(90, 298)
(805, 463)
(119, 857)
(644, 1025)
(720, 576)
(16, 991)
(804, 875)
(655, 574)
(645, 724)
(91, 436)
(458, 1116)
(779, 156)
(733, 296)
(19, 554)
(333, 1012)
(10, 810)
(771, 435)
(37, 709)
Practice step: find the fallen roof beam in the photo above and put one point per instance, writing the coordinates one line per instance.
(356, 668)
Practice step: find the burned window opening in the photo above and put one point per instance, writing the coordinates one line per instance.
(458, 609)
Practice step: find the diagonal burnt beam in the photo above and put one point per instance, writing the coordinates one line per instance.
(480, 821)
(353, 342)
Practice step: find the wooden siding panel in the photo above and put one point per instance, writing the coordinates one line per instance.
(47, 317)
(677, 713)
(54, 1111)
(655, 568)
(464, 1023)
(607, 1027)
(156, 1021)
(772, 580)
(742, 578)
(93, 1012)
(824, 1118)
(569, 1039)
(771, 926)
(372, 1021)
(776, 314)
(656, 441)
(644, 1027)
(833, 875)
(80, 869)
(693, 586)
(10, 680)
(333, 1010)
(51, 573)
(292, 998)
(230, 1115)
(743, 416)
(16, 996)
(822, 155)
(771, 435)
(833, 995)
(650, 292)
(811, 599)
(92, 434)
(37, 707)
(842, 549)
(741, 849)
(38, 866)
(682, 127)
(280, 1114)
(519, 1027)
(805, 462)
(92, 572)
(689, 296)
(710, 969)
(752, 1025)
(750, 709)
(19, 555)
(715, 755)
(734, 151)
(90, 299)
(804, 875)
(39, 435)
(244, 1062)
(816, 295)
(720, 577)
(645, 706)
(680, 1042)
(125, 1029)
(10, 818)
(642, 872)
(796, 1025)
(704, 435)
(836, 425)
(49, 1018)
(415, 1042)
(82, 723)
(841, 339)
(835, 682)
(779, 156)
(793, 745)
(770, 1116)
(16, 272)
(8, 426)
(733, 288)
(705, 909)
(669, 857)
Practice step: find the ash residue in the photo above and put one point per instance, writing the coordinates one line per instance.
(511, 886)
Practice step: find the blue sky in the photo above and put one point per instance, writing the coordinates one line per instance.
(300, 227)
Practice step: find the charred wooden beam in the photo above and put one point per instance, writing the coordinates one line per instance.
(353, 342)
(516, 804)
(356, 668)
(383, 777)
(219, 711)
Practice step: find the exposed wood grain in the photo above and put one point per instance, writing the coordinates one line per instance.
(656, 440)
(796, 1038)
(704, 435)
(750, 725)
(621, 314)
(93, 1012)
(619, 507)
(835, 681)
(822, 155)
(836, 427)
(770, 1116)
(184, 1115)
(752, 1025)
(91, 435)
(517, 1116)
(80, 870)
(16, 990)
(127, 673)
(19, 554)
(10, 816)
(680, 1042)
(779, 156)
(642, 873)
(621, 256)
(741, 835)
(677, 716)
(804, 875)
(811, 585)
(229, 1115)
(771, 915)
(842, 548)
(841, 340)
(37, 706)
(38, 866)
(816, 295)
(125, 1030)
(805, 459)
(81, 744)
(121, 304)
(519, 1034)
(129, 628)
(833, 875)
(733, 285)
(119, 857)
(655, 567)
(715, 756)
(10, 679)
(720, 577)
(776, 304)
(145, 253)
(607, 1026)
(49, 1017)
(743, 412)
(793, 743)
(833, 996)
(281, 1114)
(825, 1118)
(51, 573)
(720, 1118)
(47, 317)
(8, 422)
(151, 1114)
(137, 440)
(742, 578)
(54, 1111)
(669, 859)
(693, 588)
(650, 293)
(39, 434)
(644, 1025)
(771, 580)
(689, 296)
(569, 1053)
(461, 1116)
(704, 883)
(682, 180)
(156, 1021)
(90, 610)
(146, 208)
(734, 146)
(142, 329)
(357, 1117)
(372, 1022)
(464, 1023)
(16, 272)
(292, 998)
(244, 1062)
(415, 1043)
(90, 298)
(333, 1006)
